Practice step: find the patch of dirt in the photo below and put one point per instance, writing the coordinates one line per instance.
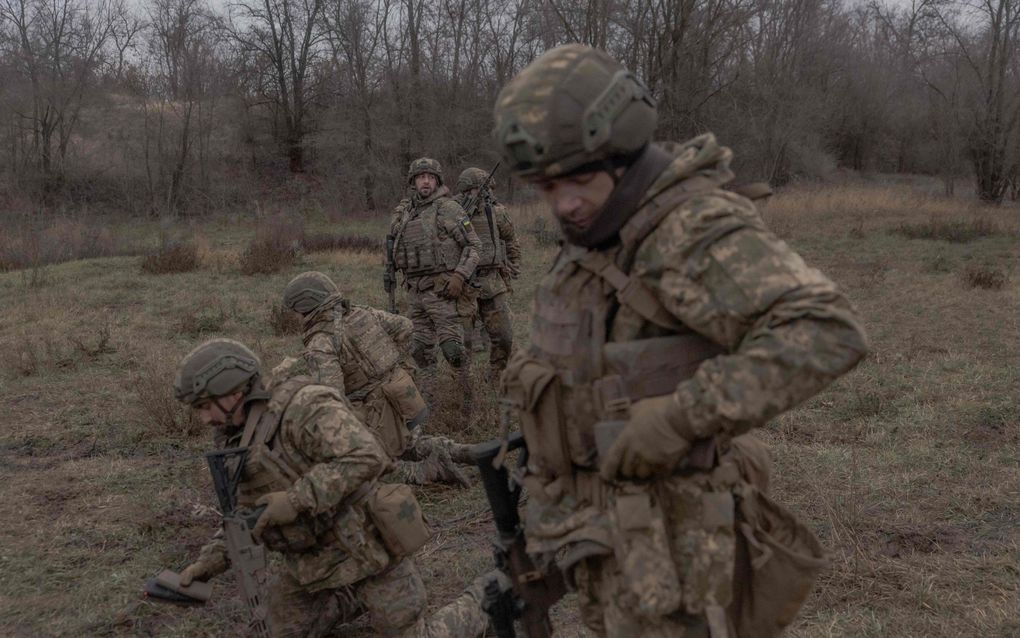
(921, 539)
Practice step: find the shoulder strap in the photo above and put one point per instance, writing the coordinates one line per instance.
(630, 291)
(651, 214)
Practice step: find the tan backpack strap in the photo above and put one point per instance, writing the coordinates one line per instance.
(630, 291)
(254, 416)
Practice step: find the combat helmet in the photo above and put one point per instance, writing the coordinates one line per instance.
(572, 109)
(216, 368)
(471, 178)
(305, 292)
(425, 165)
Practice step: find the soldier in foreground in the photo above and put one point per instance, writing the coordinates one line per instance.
(361, 351)
(436, 248)
(672, 323)
(499, 261)
(313, 467)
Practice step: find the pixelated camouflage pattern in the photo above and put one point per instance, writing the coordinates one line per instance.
(443, 222)
(425, 165)
(715, 266)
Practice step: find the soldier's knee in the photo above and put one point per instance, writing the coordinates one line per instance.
(423, 355)
(453, 351)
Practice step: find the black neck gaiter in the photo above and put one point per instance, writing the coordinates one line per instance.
(623, 201)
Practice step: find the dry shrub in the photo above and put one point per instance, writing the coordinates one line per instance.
(957, 231)
(195, 324)
(31, 354)
(276, 245)
(172, 257)
(152, 383)
(321, 242)
(984, 277)
(31, 244)
(284, 321)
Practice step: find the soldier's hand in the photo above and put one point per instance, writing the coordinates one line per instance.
(279, 511)
(650, 444)
(193, 572)
(455, 286)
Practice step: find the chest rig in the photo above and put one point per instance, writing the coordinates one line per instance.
(585, 373)
(493, 253)
(271, 465)
(366, 351)
(419, 247)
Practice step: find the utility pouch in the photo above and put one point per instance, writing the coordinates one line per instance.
(777, 562)
(534, 389)
(399, 519)
(642, 550)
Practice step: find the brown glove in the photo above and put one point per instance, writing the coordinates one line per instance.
(651, 444)
(279, 511)
(199, 570)
(454, 286)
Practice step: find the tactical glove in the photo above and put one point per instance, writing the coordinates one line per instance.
(454, 286)
(652, 442)
(279, 511)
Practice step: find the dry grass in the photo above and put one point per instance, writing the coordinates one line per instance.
(906, 468)
(39, 241)
(276, 245)
(172, 257)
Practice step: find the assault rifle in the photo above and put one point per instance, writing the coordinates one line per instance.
(533, 592)
(247, 557)
(390, 276)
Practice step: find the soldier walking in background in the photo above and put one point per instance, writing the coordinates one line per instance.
(671, 323)
(314, 467)
(436, 248)
(363, 352)
(499, 262)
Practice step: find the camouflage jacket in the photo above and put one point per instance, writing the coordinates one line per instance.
(433, 235)
(500, 252)
(340, 457)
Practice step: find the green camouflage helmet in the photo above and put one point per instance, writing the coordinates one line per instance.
(305, 292)
(471, 178)
(572, 107)
(425, 165)
(216, 368)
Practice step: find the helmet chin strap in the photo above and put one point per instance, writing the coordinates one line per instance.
(239, 405)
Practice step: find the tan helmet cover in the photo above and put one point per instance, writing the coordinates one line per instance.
(305, 292)
(572, 106)
(216, 368)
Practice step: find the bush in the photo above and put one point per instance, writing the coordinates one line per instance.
(153, 385)
(28, 244)
(984, 277)
(955, 231)
(172, 257)
(322, 242)
(276, 245)
(284, 321)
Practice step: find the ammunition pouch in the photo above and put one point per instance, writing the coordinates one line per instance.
(399, 519)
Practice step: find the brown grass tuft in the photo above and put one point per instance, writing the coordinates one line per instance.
(152, 383)
(276, 245)
(984, 277)
(172, 257)
(284, 321)
(322, 242)
(957, 231)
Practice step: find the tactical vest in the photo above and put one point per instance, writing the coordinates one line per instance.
(577, 377)
(417, 249)
(493, 253)
(271, 466)
(367, 352)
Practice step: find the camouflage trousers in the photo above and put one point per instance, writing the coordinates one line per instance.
(435, 319)
(394, 601)
(495, 315)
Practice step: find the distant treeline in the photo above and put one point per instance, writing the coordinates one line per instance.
(184, 106)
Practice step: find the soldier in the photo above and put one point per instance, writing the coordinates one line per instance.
(361, 351)
(499, 261)
(436, 248)
(671, 323)
(335, 563)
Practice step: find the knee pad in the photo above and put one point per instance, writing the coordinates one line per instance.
(454, 352)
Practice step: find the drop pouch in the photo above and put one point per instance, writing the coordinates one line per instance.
(399, 519)
(642, 551)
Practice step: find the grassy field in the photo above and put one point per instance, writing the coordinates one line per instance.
(908, 468)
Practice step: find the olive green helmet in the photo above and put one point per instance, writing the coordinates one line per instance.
(471, 178)
(425, 165)
(305, 292)
(216, 368)
(571, 107)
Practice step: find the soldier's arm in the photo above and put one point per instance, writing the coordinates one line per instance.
(324, 361)
(508, 234)
(790, 333)
(458, 224)
(398, 327)
(343, 452)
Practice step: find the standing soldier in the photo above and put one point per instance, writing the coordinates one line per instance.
(314, 467)
(500, 261)
(671, 324)
(361, 351)
(436, 248)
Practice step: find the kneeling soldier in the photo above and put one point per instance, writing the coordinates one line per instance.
(313, 466)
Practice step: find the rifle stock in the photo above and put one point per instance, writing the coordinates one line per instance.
(533, 592)
(247, 557)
